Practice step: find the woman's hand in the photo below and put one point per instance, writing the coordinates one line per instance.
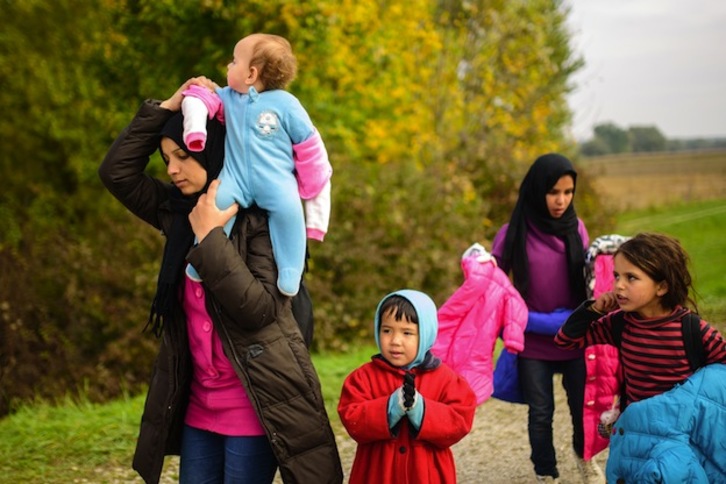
(174, 102)
(206, 216)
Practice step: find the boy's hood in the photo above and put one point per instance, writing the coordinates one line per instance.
(428, 323)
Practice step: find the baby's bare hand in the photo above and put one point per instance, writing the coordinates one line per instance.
(205, 82)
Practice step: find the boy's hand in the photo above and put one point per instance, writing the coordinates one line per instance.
(605, 303)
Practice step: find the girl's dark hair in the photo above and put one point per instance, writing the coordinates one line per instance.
(664, 260)
(401, 308)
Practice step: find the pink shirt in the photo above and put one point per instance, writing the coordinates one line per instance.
(218, 402)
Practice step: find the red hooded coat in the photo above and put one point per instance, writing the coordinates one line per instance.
(405, 458)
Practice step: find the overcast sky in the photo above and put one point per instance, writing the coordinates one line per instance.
(650, 62)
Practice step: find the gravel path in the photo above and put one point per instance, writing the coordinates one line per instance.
(497, 449)
(495, 452)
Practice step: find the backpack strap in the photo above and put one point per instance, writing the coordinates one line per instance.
(693, 341)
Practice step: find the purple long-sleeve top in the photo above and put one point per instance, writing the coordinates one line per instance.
(549, 286)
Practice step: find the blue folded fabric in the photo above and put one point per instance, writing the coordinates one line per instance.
(506, 379)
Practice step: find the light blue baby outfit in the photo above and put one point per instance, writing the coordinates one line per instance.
(259, 169)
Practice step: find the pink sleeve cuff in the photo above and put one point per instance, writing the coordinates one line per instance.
(313, 170)
(196, 141)
(209, 98)
(316, 234)
(514, 347)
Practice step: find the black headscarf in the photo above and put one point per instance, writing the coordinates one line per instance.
(181, 237)
(532, 207)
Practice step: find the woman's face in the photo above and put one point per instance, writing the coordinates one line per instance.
(185, 172)
(559, 197)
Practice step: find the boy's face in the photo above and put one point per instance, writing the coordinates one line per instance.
(240, 75)
(399, 339)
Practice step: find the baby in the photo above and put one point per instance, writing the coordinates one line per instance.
(274, 156)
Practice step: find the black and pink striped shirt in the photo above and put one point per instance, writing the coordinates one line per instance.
(652, 351)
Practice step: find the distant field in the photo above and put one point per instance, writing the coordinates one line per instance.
(636, 181)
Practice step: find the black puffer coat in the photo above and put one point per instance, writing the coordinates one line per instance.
(254, 321)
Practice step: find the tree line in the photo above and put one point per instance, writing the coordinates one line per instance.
(609, 138)
(431, 113)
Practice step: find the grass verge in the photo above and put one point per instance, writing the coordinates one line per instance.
(62, 443)
(700, 229)
(78, 441)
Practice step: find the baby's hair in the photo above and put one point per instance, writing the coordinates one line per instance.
(664, 260)
(273, 57)
(400, 307)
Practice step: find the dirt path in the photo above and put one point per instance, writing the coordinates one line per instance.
(497, 449)
(495, 452)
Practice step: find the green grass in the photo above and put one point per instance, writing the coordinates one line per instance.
(700, 229)
(70, 442)
(332, 369)
(62, 443)
(80, 441)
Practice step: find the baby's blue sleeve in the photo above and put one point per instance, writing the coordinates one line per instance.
(296, 120)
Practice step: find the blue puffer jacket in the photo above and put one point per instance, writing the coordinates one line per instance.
(676, 437)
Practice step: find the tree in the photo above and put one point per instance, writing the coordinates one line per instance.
(595, 147)
(503, 74)
(615, 138)
(60, 106)
(647, 138)
(430, 111)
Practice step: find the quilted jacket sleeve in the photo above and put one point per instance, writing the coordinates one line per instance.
(123, 169)
(452, 315)
(514, 316)
(672, 437)
(241, 273)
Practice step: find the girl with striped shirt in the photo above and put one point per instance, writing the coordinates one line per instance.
(651, 289)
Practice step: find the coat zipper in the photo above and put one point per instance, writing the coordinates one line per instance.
(272, 436)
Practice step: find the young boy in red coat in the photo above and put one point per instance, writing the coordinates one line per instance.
(405, 408)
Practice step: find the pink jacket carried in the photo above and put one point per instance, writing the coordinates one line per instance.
(602, 384)
(603, 380)
(484, 308)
